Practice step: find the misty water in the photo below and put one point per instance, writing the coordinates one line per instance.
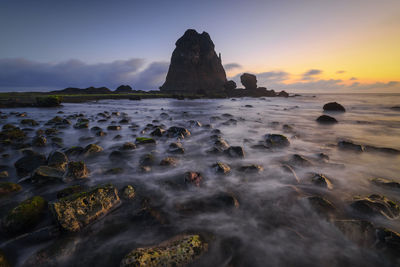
(273, 223)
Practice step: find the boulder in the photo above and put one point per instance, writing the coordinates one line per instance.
(325, 119)
(57, 160)
(77, 170)
(178, 132)
(230, 85)
(179, 251)
(195, 67)
(46, 174)
(276, 141)
(91, 150)
(235, 152)
(321, 181)
(376, 205)
(25, 216)
(249, 81)
(29, 163)
(334, 106)
(76, 211)
(221, 168)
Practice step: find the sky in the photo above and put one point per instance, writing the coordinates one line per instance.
(331, 46)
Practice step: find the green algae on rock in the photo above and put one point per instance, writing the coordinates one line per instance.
(179, 251)
(25, 216)
(9, 187)
(78, 210)
(145, 140)
(77, 170)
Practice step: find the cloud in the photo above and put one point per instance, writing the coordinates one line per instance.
(22, 73)
(308, 75)
(232, 66)
(353, 79)
(340, 72)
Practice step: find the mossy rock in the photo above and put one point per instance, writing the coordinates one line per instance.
(25, 216)
(169, 161)
(45, 174)
(8, 188)
(29, 163)
(48, 101)
(179, 251)
(29, 122)
(128, 192)
(78, 210)
(145, 140)
(13, 134)
(77, 170)
(91, 150)
(58, 160)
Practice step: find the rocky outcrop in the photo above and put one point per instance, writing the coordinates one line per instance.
(123, 89)
(249, 81)
(195, 67)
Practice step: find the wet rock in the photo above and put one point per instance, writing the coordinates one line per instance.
(293, 177)
(387, 150)
(169, 161)
(357, 231)
(8, 188)
(147, 160)
(221, 168)
(3, 174)
(70, 190)
(77, 170)
(29, 163)
(235, 152)
(321, 205)
(114, 128)
(12, 133)
(74, 151)
(194, 178)
(287, 128)
(78, 210)
(101, 133)
(382, 182)
(91, 150)
(176, 148)
(178, 132)
(128, 146)
(347, 145)
(82, 124)
(388, 243)
(194, 123)
(376, 205)
(249, 81)
(29, 122)
(195, 67)
(221, 144)
(179, 251)
(321, 181)
(251, 168)
(128, 192)
(25, 216)
(114, 171)
(145, 140)
(46, 174)
(325, 119)
(86, 139)
(299, 160)
(158, 132)
(3, 260)
(276, 141)
(213, 203)
(57, 160)
(116, 156)
(230, 85)
(334, 106)
(283, 94)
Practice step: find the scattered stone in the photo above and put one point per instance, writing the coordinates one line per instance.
(252, 168)
(128, 146)
(376, 205)
(25, 216)
(147, 160)
(114, 128)
(179, 251)
(176, 148)
(382, 182)
(325, 119)
(221, 144)
(8, 188)
(357, 231)
(178, 132)
(91, 150)
(169, 161)
(74, 151)
(45, 174)
(194, 178)
(276, 141)
(29, 122)
(3, 174)
(299, 160)
(235, 152)
(321, 180)
(12, 133)
(158, 132)
(73, 189)
(145, 140)
(221, 168)
(213, 203)
(334, 106)
(347, 145)
(128, 192)
(114, 171)
(29, 163)
(57, 160)
(78, 210)
(77, 170)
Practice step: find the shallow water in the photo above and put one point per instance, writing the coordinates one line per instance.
(268, 228)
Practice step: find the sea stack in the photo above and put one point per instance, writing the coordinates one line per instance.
(195, 67)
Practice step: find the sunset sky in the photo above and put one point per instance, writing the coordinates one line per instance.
(299, 45)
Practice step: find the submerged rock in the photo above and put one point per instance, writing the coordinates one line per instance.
(358, 231)
(276, 141)
(178, 132)
(299, 160)
(221, 168)
(235, 152)
(78, 210)
(128, 192)
(91, 150)
(176, 148)
(213, 203)
(321, 205)
(145, 140)
(325, 119)
(128, 146)
(178, 251)
(347, 145)
(39, 141)
(169, 161)
(252, 168)
(8, 188)
(376, 205)
(385, 183)
(73, 189)
(77, 170)
(158, 132)
(321, 180)
(334, 106)
(25, 216)
(194, 178)
(46, 174)
(29, 163)
(57, 160)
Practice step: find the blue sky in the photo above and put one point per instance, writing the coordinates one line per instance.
(54, 44)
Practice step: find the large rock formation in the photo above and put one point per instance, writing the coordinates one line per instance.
(249, 81)
(195, 67)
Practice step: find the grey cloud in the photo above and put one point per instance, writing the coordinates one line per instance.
(309, 75)
(20, 73)
(353, 79)
(340, 72)
(231, 66)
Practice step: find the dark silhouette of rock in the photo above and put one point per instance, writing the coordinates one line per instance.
(230, 85)
(89, 90)
(283, 94)
(334, 106)
(124, 89)
(249, 81)
(195, 67)
(326, 119)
